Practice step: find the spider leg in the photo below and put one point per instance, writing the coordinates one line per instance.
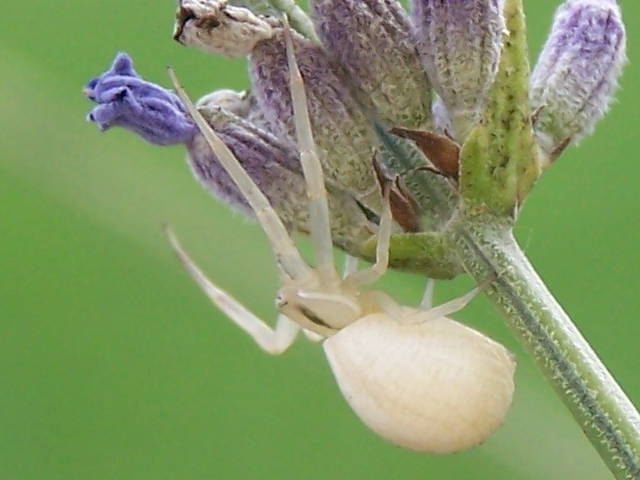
(373, 273)
(273, 341)
(284, 249)
(313, 336)
(427, 299)
(449, 307)
(318, 206)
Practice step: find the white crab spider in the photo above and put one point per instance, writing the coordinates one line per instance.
(414, 376)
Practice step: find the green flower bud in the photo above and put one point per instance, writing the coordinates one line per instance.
(460, 43)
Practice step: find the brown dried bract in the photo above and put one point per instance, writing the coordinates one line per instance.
(403, 208)
(441, 151)
(557, 151)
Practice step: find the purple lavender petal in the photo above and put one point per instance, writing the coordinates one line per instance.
(124, 99)
(372, 40)
(577, 72)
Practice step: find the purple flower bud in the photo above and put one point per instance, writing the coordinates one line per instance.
(577, 72)
(124, 99)
(372, 40)
(219, 28)
(276, 170)
(460, 42)
(271, 165)
(342, 132)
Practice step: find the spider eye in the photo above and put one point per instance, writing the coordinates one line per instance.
(281, 301)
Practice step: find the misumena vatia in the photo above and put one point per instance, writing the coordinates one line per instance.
(414, 376)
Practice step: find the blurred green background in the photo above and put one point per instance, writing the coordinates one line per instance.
(114, 366)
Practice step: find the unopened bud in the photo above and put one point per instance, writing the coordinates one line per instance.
(342, 132)
(577, 72)
(219, 28)
(372, 40)
(275, 168)
(266, 160)
(124, 99)
(459, 42)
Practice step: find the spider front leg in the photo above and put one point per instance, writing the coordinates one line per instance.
(318, 205)
(320, 222)
(377, 270)
(447, 308)
(273, 341)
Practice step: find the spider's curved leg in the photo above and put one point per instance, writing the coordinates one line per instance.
(273, 341)
(377, 270)
(285, 251)
(313, 336)
(320, 225)
(451, 306)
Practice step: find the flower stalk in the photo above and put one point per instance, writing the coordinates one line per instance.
(499, 164)
(606, 415)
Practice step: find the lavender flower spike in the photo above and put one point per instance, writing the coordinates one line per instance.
(577, 72)
(124, 99)
(460, 42)
(372, 40)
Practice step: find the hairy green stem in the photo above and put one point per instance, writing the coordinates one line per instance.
(608, 418)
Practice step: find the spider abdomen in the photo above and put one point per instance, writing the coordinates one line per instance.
(435, 386)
